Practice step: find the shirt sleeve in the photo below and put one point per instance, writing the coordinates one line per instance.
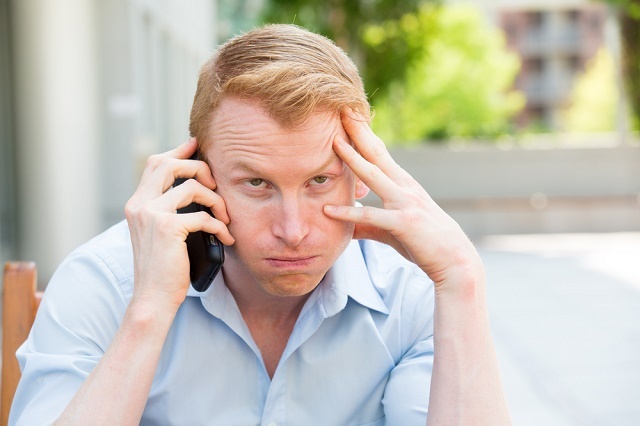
(406, 397)
(80, 313)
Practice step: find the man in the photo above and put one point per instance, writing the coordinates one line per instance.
(324, 311)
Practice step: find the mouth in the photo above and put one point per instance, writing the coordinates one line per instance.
(291, 262)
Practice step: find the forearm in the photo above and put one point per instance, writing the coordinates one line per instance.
(117, 389)
(465, 387)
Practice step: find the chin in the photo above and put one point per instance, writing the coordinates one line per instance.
(294, 285)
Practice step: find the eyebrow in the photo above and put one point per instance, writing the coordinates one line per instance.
(245, 166)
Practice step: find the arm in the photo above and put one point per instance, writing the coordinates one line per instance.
(117, 389)
(466, 386)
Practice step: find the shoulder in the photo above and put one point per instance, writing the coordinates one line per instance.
(393, 275)
(399, 295)
(113, 248)
(405, 289)
(104, 263)
(87, 295)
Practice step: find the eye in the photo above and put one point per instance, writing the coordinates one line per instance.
(320, 179)
(256, 182)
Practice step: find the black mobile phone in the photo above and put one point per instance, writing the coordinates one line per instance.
(206, 253)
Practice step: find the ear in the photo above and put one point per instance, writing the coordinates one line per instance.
(361, 189)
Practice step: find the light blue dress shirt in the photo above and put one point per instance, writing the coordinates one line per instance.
(361, 352)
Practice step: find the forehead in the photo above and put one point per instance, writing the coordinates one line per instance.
(242, 129)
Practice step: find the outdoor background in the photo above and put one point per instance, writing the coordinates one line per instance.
(519, 117)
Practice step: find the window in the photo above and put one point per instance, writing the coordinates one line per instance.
(575, 63)
(536, 19)
(573, 16)
(535, 65)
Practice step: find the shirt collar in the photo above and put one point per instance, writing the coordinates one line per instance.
(348, 277)
(215, 297)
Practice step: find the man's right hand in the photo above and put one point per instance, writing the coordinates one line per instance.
(158, 233)
(161, 280)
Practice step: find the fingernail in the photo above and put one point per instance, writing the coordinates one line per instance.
(330, 209)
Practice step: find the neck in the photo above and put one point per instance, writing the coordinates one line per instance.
(255, 303)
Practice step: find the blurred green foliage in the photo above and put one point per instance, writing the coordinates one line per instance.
(628, 7)
(431, 71)
(458, 87)
(629, 18)
(594, 97)
(345, 22)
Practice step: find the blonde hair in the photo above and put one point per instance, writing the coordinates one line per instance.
(291, 72)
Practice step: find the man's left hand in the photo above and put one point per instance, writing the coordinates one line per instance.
(410, 221)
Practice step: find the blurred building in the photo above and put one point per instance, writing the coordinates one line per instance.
(554, 39)
(554, 46)
(89, 88)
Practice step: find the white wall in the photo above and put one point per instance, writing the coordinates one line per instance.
(153, 58)
(551, 187)
(99, 85)
(57, 126)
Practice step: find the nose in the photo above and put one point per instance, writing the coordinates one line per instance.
(291, 223)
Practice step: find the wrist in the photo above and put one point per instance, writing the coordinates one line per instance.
(461, 310)
(149, 314)
(464, 279)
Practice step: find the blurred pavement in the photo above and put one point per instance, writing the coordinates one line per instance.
(565, 315)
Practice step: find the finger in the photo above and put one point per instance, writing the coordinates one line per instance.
(370, 174)
(170, 169)
(367, 215)
(370, 146)
(189, 192)
(182, 151)
(202, 221)
(369, 232)
(196, 169)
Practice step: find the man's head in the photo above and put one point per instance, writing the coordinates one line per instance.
(266, 114)
(289, 71)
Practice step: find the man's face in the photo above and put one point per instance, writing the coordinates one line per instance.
(275, 183)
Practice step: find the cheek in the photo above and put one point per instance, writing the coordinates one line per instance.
(245, 218)
(346, 193)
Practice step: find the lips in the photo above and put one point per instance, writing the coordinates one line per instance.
(291, 262)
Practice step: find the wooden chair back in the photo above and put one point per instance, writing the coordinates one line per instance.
(20, 301)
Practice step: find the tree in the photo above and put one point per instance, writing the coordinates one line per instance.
(431, 71)
(458, 86)
(594, 97)
(345, 21)
(629, 18)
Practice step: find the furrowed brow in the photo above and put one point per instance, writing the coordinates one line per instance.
(250, 169)
(332, 159)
